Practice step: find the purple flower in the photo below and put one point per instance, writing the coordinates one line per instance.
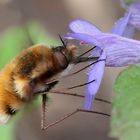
(133, 10)
(134, 20)
(123, 28)
(116, 49)
(96, 73)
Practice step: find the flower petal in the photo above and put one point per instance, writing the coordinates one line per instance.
(83, 26)
(97, 39)
(123, 52)
(129, 32)
(121, 25)
(120, 51)
(135, 16)
(96, 73)
(96, 52)
(86, 38)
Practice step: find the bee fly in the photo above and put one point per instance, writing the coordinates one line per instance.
(33, 72)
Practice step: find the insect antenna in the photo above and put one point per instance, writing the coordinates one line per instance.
(63, 42)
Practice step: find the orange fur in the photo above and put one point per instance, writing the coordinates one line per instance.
(27, 74)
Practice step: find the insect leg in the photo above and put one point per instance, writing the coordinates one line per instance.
(44, 108)
(76, 95)
(85, 59)
(86, 52)
(71, 114)
(71, 74)
(72, 87)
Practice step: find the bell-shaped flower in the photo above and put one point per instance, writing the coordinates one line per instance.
(116, 50)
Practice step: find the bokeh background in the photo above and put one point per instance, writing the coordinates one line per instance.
(23, 22)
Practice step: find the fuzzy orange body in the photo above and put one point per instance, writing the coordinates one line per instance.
(27, 74)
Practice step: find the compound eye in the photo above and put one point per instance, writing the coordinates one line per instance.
(10, 110)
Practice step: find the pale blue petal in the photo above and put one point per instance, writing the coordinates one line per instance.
(120, 51)
(83, 26)
(129, 32)
(97, 40)
(135, 16)
(123, 53)
(88, 101)
(96, 73)
(86, 38)
(121, 25)
(97, 52)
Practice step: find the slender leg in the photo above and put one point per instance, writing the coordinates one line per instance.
(76, 95)
(71, 74)
(86, 52)
(44, 108)
(71, 114)
(73, 94)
